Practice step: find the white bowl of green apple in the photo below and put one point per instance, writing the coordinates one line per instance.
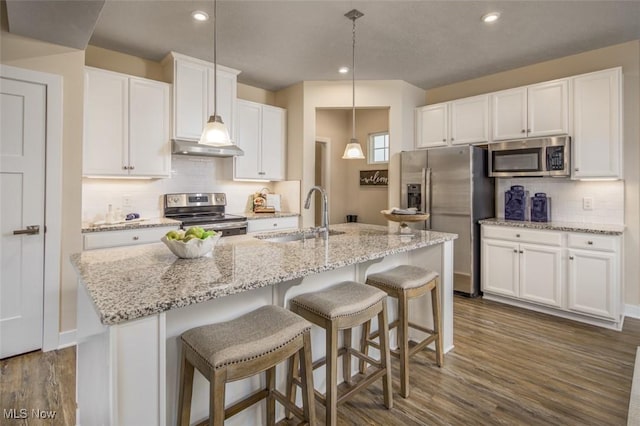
(191, 243)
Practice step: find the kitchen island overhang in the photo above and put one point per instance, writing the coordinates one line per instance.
(134, 302)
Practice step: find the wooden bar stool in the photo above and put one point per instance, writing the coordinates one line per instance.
(241, 348)
(406, 282)
(342, 307)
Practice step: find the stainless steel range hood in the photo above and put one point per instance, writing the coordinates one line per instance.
(193, 148)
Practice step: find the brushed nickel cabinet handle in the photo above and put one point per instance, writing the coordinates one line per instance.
(590, 243)
(452, 139)
(131, 167)
(444, 140)
(521, 251)
(517, 235)
(576, 169)
(30, 230)
(515, 251)
(523, 131)
(125, 168)
(136, 238)
(570, 257)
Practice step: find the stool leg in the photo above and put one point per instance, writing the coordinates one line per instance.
(385, 356)
(364, 345)
(332, 374)
(216, 397)
(403, 343)
(291, 386)
(186, 389)
(346, 358)
(271, 401)
(437, 322)
(306, 368)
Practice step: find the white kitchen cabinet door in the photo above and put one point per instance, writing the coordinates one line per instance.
(470, 120)
(273, 143)
(191, 101)
(548, 109)
(592, 283)
(249, 129)
(226, 98)
(106, 123)
(149, 137)
(597, 125)
(272, 224)
(541, 274)
(509, 109)
(500, 267)
(432, 125)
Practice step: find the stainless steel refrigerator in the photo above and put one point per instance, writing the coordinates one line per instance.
(452, 185)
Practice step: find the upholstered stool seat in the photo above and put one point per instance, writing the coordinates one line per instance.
(243, 347)
(406, 282)
(342, 307)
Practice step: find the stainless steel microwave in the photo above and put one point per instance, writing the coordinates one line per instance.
(531, 157)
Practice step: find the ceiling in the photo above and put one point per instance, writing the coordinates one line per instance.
(278, 43)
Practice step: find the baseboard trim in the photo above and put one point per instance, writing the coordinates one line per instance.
(67, 339)
(632, 311)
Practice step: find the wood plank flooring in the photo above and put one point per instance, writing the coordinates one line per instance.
(509, 367)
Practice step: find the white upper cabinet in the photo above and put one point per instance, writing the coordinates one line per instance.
(193, 95)
(261, 134)
(432, 122)
(126, 126)
(469, 120)
(462, 121)
(597, 125)
(532, 111)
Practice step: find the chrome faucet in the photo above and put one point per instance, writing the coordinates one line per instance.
(325, 207)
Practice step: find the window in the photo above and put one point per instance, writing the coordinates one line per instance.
(378, 148)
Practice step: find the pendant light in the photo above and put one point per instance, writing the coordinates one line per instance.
(353, 150)
(215, 132)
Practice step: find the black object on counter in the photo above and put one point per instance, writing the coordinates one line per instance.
(515, 203)
(540, 208)
(132, 216)
(352, 218)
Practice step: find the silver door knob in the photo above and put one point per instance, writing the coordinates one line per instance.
(30, 230)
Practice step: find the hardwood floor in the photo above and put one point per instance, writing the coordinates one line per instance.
(509, 367)
(38, 381)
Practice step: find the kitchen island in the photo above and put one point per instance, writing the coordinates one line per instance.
(134, 302)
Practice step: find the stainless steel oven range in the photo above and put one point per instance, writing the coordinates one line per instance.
(204, 210)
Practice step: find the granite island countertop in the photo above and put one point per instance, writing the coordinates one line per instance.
(125, 226)
(253, 215)
(591, 228)
(126, 283)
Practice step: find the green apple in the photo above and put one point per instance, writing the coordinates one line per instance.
(188, 238)
(207, 234)
(196, 231)
(173, 235)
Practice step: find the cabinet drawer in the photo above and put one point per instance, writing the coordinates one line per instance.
(593, 242)
(106, 239)
(272, 224)
(522, 235)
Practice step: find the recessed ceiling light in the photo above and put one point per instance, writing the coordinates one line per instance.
(343, 70)
(491, 17)
(199, 15)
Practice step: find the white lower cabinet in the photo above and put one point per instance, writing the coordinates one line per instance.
(272, 224)
(576, 274)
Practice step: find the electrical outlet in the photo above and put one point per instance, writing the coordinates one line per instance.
(587, 203)
(126, 201)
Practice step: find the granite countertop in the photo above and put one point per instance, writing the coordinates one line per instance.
(591, 228)
(146, 223)
(136, 281)
(252, 215)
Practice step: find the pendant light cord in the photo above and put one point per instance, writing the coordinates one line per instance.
(215, 61)
(353, 81)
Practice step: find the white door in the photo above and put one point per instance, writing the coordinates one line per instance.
(248, 138)
(225, 98)
(592, 277)
(273, 141)
(432, 125)
(500, 267)
(509, 114)
(541, 274)
(22, 161)
(191, 112)
(470, 120)
(548, 109)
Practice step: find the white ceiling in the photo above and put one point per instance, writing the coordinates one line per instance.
(278, 43)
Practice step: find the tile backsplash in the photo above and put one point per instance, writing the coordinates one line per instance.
(567, 198)
(188, 174)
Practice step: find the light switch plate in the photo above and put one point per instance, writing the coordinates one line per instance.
(587, 203)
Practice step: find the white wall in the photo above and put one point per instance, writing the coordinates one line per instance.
(188, 174)
(567, 198)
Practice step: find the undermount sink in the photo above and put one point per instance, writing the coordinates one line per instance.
(307, 234)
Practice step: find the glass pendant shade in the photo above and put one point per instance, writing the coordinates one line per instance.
(353, 151)
(215, 132)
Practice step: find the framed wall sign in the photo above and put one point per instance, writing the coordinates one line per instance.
(374, 177)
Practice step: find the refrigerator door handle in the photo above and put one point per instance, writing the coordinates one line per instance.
(426, 196)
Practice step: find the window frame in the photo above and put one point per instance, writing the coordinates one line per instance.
(371, 149)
